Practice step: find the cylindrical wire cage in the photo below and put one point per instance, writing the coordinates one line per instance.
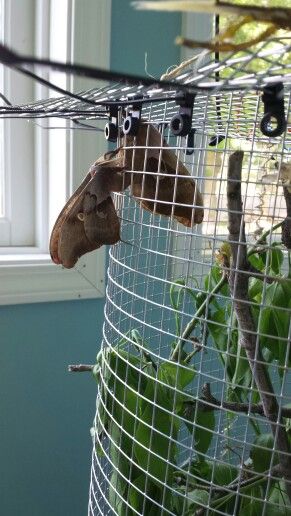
(194, 393)
(194, 388)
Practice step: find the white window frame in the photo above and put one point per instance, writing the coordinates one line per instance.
(26, 273)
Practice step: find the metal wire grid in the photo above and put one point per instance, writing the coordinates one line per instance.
(211, 113)
(237, 72)
(142, 322)
(154, 254)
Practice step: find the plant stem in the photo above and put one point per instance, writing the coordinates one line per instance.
(238, 283)
(252, 408)
(191, 325)
(262, 239)
(286, 224)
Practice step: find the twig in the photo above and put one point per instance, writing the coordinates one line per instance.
(241, 486)
(286, 224)
(80, 368)
(191, 325)
(262, 239)
(253, 408)
(238, 283)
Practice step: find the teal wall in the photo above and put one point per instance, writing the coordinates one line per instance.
(46, 413)
(136, 32)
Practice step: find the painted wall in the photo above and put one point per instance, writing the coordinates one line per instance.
(46, 413)
(135, 33)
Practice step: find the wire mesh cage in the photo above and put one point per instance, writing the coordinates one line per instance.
(193, 410)
(194, 391)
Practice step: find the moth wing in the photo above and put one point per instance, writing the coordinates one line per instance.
(74, 200)
(73, 242)
(169, 189)
(89, 208)
(102, 223)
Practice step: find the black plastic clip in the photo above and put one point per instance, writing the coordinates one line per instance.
(190, 142)
(132, 121)
(274, 121)
(215, 140)
(111, 128)
(181, 123)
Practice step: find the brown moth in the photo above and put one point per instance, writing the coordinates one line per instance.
(88, 219)
(164, 191)
(158, 181)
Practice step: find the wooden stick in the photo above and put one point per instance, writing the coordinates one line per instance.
(252, 408)
(80, 368)
(286, 224)
(238, 283)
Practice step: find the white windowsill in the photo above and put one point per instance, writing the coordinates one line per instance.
(27, 274)
(31, 278)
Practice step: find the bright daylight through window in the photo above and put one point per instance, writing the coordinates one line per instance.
(42, 160)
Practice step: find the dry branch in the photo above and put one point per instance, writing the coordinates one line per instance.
(238, 283)
(252, 408)
(286, 224)
(80, 368)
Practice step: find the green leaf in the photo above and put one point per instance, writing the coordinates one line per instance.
(176, 375)
(180, 504)
(202, 423)
(255, 289)
(203, 433)
(201, 468)
(135, 497)
(275, 319)
(223, 474)
(278, 502)
(253, 506)
(276, 258)
(257, 261)
(116, 492)
(178, 290)
(242, 374)
(217, 328)
(200, 497)
(154, 445)
(219, 474)
(262, 451)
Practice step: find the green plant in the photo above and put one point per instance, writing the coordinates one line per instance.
(145, 404)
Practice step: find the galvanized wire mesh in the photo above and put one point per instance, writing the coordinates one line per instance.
(180, 427)
(194, 409)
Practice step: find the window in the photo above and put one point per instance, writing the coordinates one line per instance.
(40, 168)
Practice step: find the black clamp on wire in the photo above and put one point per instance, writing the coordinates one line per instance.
(181, 123)
(111, 128)
(273, 122)
(190, 142)
(132, 120)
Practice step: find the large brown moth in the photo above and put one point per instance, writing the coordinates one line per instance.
(88, 219)
(158, 181)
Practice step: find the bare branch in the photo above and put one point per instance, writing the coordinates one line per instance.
(238, 283)
(253, 408)
(286, 224)
(80, 368)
